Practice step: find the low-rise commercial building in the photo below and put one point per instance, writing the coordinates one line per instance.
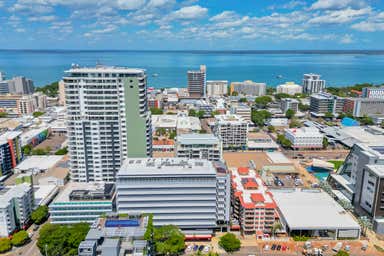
(288, 103)
(232, 130)
(306, 137)
(360, 107)
(199, 146)
(261, 142)
(248, 87)
(322, 103)
(82, 202)
(16, 206)
(242, 110)
(217, 88)
(114, 236)
(192, 194)
(313, 213)
(253, 205)
(289, 88)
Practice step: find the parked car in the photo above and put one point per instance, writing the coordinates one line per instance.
(266, 247)
(195, 247)
(273, 247)
(278, 247)
(36, 227)
(201, 247)
(337, 247)
(206, 248)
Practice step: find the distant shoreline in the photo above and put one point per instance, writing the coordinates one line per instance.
(341, 52)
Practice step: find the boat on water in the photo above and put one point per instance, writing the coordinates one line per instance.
(279, 76)
(155, 75)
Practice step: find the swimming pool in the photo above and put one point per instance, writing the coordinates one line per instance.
(320, 175)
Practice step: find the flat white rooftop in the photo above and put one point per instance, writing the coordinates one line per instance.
(197, 138)
(39, 162)
(278, 158)
(166, 166)
(312, 210)
(105, 69)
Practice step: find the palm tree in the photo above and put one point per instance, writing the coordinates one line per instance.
(275, 227)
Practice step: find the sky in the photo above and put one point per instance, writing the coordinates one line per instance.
(192, 24)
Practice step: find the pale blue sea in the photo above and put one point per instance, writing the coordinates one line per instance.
(337, 68)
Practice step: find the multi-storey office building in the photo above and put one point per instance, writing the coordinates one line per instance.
(107, 118)
(253, 205)
(197, 82)
(373, 92)
(10, 152)
(242, 110)
(248, 87)
(80, 202)
(192, 194)
(217, 88)
(313, 84)
(306, 137)
(288, 103)
(360, 107)
(199, 146)
(363, 172)
(16, 206)
(322, 103)
(232, 130)
(289, 88)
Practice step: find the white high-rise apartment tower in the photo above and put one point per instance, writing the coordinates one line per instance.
(107, 118)
(313, 84)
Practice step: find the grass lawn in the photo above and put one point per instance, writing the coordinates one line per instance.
(337, 163)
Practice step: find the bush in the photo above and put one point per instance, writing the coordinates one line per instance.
(38, 113)
(5, 244)
(40, 215)
(342, 253)
(229, 242)
(20, 238)
(156, 111)
(300, 238)
(61, 151)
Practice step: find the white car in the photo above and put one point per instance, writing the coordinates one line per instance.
(189, 248)
(206, 248)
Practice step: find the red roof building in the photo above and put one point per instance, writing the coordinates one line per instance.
(253, 205)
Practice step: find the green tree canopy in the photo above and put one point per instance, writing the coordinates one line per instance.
(229, 242)
(200, 114)
(5, 244)
(234, 93)
(192, 112)
(279, 96)
(290, 113)
(284, 142)
(39, 215)
(61, 239)
(169, 240)
(325, 143)
(328, 115)
(242, 100)
(214, 113)
(303, 107)
(156, 111)
(259, 117)
(38, 113)
(263, 101)
(342, 253)
(295, 123)
(20, 238)
(50, 90)
(365, 120)
(3, 114)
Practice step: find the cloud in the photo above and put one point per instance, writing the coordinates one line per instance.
(106, 30)
(130, 4)
(46, 18)
(290, 5)
(347, 39)
(372, 24)
(340, 16)
(159, 3)
(189, 13)
(224, 16)
(337, 4)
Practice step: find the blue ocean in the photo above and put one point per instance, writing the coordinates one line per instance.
(168, 68)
